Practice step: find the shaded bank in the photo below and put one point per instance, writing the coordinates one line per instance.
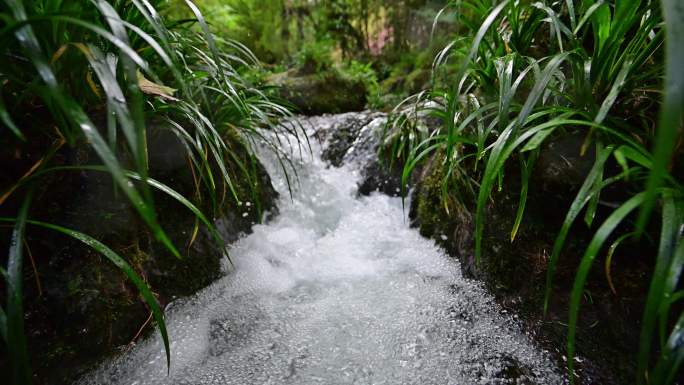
(80, 308)
(337, 289)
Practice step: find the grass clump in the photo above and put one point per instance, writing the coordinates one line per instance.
(528, 72)
(97, 72)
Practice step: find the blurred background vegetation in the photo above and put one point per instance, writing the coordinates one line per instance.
(387, 44)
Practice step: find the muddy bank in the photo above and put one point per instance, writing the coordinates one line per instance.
(79, 307)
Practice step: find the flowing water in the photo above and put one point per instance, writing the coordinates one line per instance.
(336, 289)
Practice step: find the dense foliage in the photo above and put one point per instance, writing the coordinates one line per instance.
(504, 77)
(98, 72)
(529, 71)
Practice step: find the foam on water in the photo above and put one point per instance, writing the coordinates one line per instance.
(336, 290)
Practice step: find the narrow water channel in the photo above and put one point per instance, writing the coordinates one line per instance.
(336, 289)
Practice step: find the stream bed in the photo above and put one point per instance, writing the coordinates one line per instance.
(336, 289)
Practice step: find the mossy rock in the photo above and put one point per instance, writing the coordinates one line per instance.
(321, 93)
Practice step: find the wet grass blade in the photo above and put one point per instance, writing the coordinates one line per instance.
(672, 110)
(122, 265)
(114, 167)
(135, 95)
(78, 118)
(614, 91)
(657, 289)
(15, 336)
(7, 120)
(576, 206)
(599, 238)
(540, 85)
(609, 259)
(672, 356)
(590, 213)
(3, 316)
(152, 182)
(587, 15)
(525, 171)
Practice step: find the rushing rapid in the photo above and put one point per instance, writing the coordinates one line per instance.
(336, 289)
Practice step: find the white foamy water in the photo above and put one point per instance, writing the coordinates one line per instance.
(336, 290)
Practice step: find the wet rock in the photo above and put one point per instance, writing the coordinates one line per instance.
(356, 140)
(379, 177)
(316, 94)
(342, 138)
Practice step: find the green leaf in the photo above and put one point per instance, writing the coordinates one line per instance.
(592, 250)
(656, 292)
(15, 335)
(588, 14)
(77, 116)
(537, 140)
(525, 171)
(614, 91)
(118, 262)
(581, 199)
(540, 85)
(7, 119)
(135, 96)
(501, 150)
(672, 109)
(593, 202)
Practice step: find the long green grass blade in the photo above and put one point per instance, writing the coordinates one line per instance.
(525, 171)
(599, 238)
(576, 206)
(656, 292)
(114, 167)
(614, 91)
(78, 118)
(133, 90)
(674, 271)
(15, 336)
(672, 110)
(3, 323)
(587, 15)
(540, 85)
(7, 119)
(590, 212)
(672, 356)
(119, 262)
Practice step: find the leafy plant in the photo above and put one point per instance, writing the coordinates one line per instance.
(534, 69)
(118, 58)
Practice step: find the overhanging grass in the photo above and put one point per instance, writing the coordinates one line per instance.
(533, 69)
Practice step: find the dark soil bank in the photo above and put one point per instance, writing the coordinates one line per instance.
(79, 307)
(515, 272)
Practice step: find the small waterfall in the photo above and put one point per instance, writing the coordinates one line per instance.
(337, 289)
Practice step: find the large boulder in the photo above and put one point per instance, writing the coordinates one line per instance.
(320, 93)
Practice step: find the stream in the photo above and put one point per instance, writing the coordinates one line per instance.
(336, 289)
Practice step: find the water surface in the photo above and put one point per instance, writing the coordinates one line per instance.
(336, 290)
